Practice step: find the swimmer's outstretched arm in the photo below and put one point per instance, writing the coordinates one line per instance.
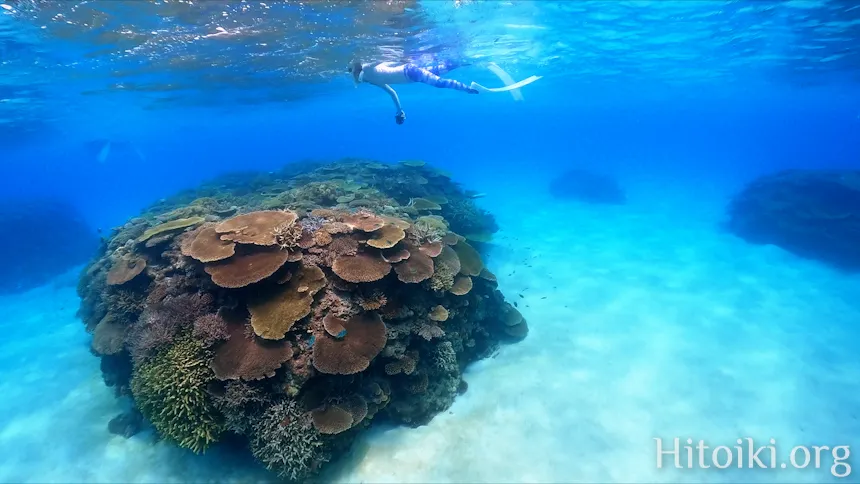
(400, 116)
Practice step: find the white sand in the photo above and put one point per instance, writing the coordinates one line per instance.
(654, 324)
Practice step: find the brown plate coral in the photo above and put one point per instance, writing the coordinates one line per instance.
(291, 316)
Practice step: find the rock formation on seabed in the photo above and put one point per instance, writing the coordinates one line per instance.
(813, 213)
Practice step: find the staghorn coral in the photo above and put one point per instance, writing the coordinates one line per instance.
(241, 404)
(170, 392)
(429, 228)
(210, 329)
(348, 341)
(285, 441)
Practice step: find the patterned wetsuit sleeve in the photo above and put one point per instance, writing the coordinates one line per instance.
(417, 74)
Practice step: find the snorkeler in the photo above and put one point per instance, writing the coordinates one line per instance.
(385, 73)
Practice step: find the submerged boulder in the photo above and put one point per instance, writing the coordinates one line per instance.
(812, 213)
(588, 187)
(302, 320)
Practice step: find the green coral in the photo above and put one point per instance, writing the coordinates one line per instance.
(171, 226)
(170, 391)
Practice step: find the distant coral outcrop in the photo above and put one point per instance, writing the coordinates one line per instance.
(587, 186)
(295, 309)
(50, 237)
(812, 213)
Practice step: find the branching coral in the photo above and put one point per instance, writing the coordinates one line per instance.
(285, 440)
(170, 391)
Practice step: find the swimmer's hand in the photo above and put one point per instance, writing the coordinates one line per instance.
(400, 117)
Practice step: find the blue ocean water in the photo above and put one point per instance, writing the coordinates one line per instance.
(648, 319)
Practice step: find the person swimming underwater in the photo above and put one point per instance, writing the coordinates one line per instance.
(383, 74)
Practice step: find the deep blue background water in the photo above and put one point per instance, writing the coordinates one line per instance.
(703, 134)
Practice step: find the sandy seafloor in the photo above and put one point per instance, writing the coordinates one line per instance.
(646, 321)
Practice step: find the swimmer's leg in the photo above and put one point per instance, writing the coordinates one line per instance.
(418, 74)
(444, 67)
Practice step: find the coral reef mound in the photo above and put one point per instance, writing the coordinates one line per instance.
(814, 214)
(52, 238)
(588, 187)
(294, 309)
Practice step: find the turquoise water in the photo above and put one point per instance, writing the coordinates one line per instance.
(647, 319)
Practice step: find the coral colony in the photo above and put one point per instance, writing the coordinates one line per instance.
(294, 309)
(814, 214)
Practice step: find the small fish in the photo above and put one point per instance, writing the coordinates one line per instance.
(521, 296)
(516, 305)
(477, 195)
(312, 340)
(543, 297)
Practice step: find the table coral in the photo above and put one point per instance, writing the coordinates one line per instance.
(125, 269)
(206, 245)
(259, 228)
(172, 226)
(295, 329)
(242, 270)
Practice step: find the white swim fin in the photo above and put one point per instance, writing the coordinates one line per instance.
(506, 79)
(104, 152)
(524, 82)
